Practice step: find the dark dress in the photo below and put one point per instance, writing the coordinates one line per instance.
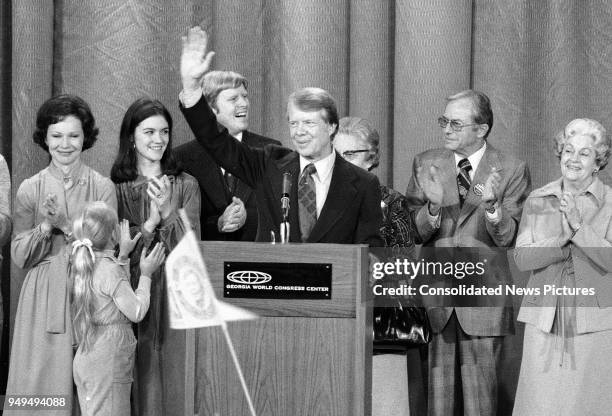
(133, 205)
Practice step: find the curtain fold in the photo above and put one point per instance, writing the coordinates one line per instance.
(371, 72)
(433, 42)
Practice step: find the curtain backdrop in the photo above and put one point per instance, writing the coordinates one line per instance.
(542, 63)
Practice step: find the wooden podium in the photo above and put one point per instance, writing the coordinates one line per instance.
(302, 357)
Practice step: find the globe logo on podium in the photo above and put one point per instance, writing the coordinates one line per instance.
(249, 277)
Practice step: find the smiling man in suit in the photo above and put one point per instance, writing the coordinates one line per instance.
(332, 201)
(467, 194)
(229, 208)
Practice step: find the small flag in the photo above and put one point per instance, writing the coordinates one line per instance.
(191, 298)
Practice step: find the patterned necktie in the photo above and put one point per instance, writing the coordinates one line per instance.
(307, 201)
(463, 179)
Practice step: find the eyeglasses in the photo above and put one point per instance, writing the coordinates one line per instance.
(456, 125)
(352, 154)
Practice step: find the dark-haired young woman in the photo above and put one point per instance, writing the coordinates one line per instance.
(150, 189)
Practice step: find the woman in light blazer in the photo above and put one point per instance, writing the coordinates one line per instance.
(565, 240)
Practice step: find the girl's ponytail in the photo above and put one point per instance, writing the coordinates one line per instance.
(83, 262)
(93, 229)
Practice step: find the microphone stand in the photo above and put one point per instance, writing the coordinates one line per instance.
(284, 225)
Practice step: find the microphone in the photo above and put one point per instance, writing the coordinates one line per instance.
(285, 197)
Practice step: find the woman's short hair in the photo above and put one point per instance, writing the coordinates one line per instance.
(315, 99)
(362, 129)
(586, 127)
(59, 107)
(125, 167)
(216, 81)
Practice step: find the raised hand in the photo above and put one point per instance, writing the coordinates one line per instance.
(150, 263)
(430, 182)
(126, 242)
(195, 58)
(233, 218)
(160, 191)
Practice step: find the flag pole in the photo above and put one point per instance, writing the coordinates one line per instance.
(238, 369)
(187, 225)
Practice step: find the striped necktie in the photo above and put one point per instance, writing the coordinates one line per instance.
(307, 201)
(463, 179)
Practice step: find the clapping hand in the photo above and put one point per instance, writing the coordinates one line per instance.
(568, 207)
(150, 263)
(160, 191)
(126, 242)
(491, 188)
(195, 58)
(430, 182)
(154, 217)
(54, 216)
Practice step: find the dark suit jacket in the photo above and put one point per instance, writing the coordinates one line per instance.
(351, 213)
(215, 196)
(467, 227)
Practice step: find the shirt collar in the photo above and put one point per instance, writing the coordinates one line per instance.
(555, 188)
(474, 158)
(75, 173)
(324, 166)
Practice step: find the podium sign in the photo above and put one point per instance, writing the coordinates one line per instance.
(265, 280)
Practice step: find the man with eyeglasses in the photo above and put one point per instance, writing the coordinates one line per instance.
(332, 201)
(468, 194)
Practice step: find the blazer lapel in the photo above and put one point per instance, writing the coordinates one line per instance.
(242, 190)
(489, 161)
(341, 192)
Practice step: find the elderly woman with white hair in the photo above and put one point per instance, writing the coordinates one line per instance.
(565, 240)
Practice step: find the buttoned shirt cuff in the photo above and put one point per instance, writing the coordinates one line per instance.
(190, 98)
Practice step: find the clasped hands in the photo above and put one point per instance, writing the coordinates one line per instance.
(54, 216)
(160, 193)
(571, 214)
(233, 218)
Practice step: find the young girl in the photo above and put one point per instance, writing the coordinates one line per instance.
(104, 306)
